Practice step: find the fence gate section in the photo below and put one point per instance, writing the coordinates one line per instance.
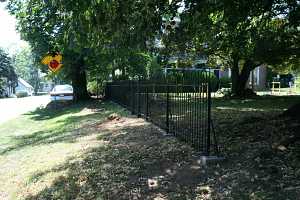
(178, 102)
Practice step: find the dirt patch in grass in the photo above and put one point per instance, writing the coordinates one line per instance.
(138, 162)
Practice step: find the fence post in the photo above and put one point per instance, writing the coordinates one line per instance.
(168, 109)
(139, 98)
(107, 91)
(147, 103)
(132, 96)
(208, 116)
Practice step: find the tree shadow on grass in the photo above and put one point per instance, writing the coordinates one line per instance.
(67, 130)
(262, 103)
(56, 109)
(136, 162)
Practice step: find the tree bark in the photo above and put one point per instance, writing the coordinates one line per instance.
(293, 112)
(240, 79)
(79, 81)
(235, 74)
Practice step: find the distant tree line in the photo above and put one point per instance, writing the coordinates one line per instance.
(26, 68)
(8, 76)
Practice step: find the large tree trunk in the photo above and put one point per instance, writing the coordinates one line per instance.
(293, 112)
(235, 74)
(79, 81)
(240, 79)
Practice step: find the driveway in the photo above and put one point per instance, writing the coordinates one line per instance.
(13, 107)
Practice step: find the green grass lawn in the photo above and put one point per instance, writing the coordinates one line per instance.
(263, 103)
(42, 140)
(76, 152)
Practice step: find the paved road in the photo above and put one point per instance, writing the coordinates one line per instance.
(13, 107)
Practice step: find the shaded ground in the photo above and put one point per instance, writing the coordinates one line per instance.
(78, 153)
(136, 162)
(261, 163)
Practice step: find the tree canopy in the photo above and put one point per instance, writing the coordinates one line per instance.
(25, 67)
(86, 31)
(99, 37)
(244, 34)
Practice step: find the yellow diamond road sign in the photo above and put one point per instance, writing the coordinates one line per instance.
(53, 61)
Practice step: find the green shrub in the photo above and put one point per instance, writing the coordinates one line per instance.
(21, 94)
(191, 78)
(225, 82)
(214, 82)
(92, 87)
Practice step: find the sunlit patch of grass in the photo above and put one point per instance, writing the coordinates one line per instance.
(264, 103)
(42, 140)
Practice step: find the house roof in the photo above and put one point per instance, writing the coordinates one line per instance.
(23, 82)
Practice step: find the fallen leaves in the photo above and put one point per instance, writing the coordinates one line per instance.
(281, 148)
(256, 146)
(135, 161)
(113, 116)
(152, 183)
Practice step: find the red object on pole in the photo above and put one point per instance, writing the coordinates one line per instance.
(54, 64)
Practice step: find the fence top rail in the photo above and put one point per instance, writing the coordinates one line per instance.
(168, 73)
(170, 85)
(163, 79)
(206, 69)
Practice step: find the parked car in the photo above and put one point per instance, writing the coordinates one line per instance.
(62, 93)
(21, 94)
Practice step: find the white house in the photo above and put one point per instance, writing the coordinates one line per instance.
(24, 86)
(259, 78)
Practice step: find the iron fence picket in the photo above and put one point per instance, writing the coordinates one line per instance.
(180, 105)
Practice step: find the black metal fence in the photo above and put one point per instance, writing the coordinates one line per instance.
(178, 102)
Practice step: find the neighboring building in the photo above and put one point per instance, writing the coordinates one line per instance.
(258, 76)
(24, 86)
(219, 73)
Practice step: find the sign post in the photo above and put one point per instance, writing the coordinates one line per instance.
(54, 62)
